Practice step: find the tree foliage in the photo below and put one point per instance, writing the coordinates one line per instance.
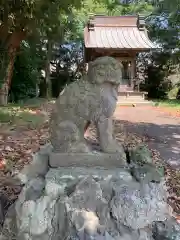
(54, 33)
(104, 7)
(20, 18)
(27, 73)
(165, 30)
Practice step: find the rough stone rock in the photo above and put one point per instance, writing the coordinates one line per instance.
(145, 235)
(34, 188)
(168, 230)
(60, 181)
(93, 99)
(142, 167)
(138, 205)
(9, 230)
(146, 173)
(39, 165)
(4, 204)
(86, 203)
(34, 218)
(140, 155)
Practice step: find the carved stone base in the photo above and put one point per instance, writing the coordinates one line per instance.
(94, 159)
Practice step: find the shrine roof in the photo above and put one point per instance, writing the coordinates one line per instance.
(120, 32)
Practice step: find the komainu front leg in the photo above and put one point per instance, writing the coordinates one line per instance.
(105, 134)
(66, 137)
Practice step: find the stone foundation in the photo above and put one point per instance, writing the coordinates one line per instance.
(78, 203)
(93, 159)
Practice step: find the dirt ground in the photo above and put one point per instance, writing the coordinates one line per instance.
(161, 129)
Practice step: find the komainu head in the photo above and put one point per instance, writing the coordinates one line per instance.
(105, 70)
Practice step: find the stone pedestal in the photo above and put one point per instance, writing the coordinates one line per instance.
(93, 159)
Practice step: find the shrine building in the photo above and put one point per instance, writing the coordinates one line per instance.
(121, 37)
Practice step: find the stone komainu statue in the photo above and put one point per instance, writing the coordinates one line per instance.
(91, 99)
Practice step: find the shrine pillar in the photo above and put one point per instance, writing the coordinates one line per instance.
(133, 72)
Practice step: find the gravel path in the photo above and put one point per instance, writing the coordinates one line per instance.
(162, 130)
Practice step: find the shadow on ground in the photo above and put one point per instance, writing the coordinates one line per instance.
(164, 138)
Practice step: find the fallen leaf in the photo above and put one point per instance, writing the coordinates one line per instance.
(8, 148)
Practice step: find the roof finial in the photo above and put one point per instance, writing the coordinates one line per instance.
(141, 22)
(90, 23)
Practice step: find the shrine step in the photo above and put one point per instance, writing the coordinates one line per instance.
(133, 102)
(132, 94)
(125, 89)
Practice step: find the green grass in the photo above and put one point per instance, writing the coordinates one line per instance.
(22, 113)
(172, 103)
(29, 103)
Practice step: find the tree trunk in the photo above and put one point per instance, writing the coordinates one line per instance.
(11, 43)
(48, 70)
(7, 81)
(43, 88)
